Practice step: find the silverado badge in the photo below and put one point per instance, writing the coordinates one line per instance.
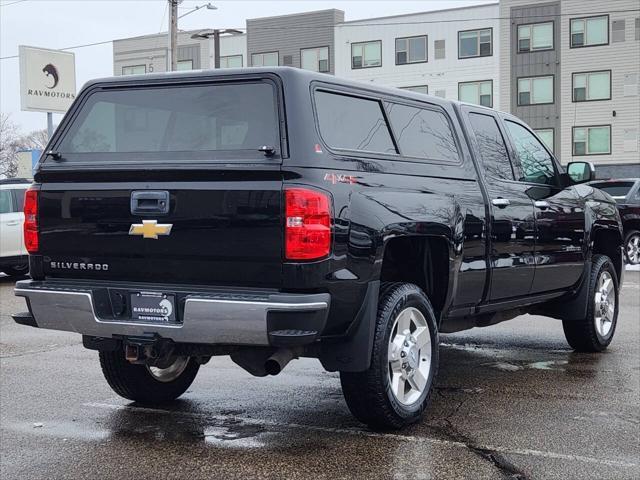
(150, 229)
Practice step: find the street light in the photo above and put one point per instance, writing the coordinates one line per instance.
(208, 6)
(215, 33)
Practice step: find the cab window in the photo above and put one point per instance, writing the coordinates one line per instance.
(536, 163)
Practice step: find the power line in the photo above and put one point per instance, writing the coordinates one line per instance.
(12, 3)
(362, 23)
(67, 48)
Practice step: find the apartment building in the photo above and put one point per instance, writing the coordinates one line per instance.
(305, 40)
(451, 53)
(567, 69)
(148, 53)
(572, 73)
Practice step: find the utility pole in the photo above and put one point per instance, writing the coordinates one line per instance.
(216, 48)
(172, 53)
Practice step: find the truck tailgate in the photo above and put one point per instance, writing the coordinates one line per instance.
(222, 232)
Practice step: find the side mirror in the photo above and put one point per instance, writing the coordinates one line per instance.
(581, 172)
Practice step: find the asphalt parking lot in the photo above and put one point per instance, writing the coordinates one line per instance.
(512, 401)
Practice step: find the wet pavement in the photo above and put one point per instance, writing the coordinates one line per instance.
(512, 401)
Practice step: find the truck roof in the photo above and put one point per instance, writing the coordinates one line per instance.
(288, 74)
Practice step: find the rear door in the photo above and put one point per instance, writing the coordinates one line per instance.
(11, 218)
(168, 183)
(512, 215)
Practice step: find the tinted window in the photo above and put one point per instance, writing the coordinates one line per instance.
(492, 147)
(19, 197)
(423, 133)
(6, 203)
(174, 119)
(353, 123)
(537, 164)
(618, 190)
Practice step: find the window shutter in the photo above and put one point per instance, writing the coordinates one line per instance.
(617, 34)
(439, 49)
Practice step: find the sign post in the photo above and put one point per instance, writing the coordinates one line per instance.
(47, 81)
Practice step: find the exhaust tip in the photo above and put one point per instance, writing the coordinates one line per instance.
(272, 367)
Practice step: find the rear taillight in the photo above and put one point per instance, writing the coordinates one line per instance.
(307, 224)
(31, 237)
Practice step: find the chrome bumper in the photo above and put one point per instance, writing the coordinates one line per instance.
(208, 319)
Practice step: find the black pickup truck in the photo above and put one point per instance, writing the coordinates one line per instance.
(270, 214)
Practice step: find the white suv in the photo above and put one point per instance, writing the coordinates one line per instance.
(13, 254)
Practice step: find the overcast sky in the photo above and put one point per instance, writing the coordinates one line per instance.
(60, 24)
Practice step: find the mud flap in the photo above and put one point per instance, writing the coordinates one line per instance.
(572, 308)
(354, 353)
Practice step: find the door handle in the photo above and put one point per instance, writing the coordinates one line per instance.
(150, 202)
(541, 204)
(501, 202)
(13, 224)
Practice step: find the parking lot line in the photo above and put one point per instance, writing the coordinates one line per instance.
(364, 433)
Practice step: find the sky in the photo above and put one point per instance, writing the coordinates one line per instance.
(60, 24)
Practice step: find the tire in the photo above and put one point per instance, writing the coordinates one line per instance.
(632, 247)
(371, 395)
(17, 271)
(138, 383)
(595, 332)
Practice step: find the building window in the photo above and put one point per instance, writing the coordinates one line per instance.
(480, 93)
(268, 59)
(366, 54)
(475, 43)
(592, 140)
(532, 38)
(591, 86)
(134, 70)
(418, 89)
(439, 49)
(184, 65)
(589, 32)
(547, 136)
(535, 90)
(231, 61)
(411, 50)
(315, 59)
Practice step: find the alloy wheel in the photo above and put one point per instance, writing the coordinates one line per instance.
(409, 356)
(633, 249)
(604, 303)
(171, 372)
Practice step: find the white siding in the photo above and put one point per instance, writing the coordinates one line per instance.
(441, 74)
(622, 58)
(151, 51)
(232, 45)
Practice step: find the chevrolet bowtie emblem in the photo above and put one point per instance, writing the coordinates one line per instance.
(150, 229)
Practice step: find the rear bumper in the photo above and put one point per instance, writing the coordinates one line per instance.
(208, 317)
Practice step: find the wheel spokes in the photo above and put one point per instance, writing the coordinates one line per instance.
(398, 386)
(418, 381)
(404, 322)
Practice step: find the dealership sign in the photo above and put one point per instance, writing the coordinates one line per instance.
(47, 79)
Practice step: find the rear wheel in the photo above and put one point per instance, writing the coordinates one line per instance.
(147, 384)
(595, 332)
(395, 390)
(632, 247)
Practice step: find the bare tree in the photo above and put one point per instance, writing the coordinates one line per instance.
(8, 146)
(36, 140)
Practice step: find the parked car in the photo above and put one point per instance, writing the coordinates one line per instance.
(275, 213)
(626, 193)
(13, 255)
